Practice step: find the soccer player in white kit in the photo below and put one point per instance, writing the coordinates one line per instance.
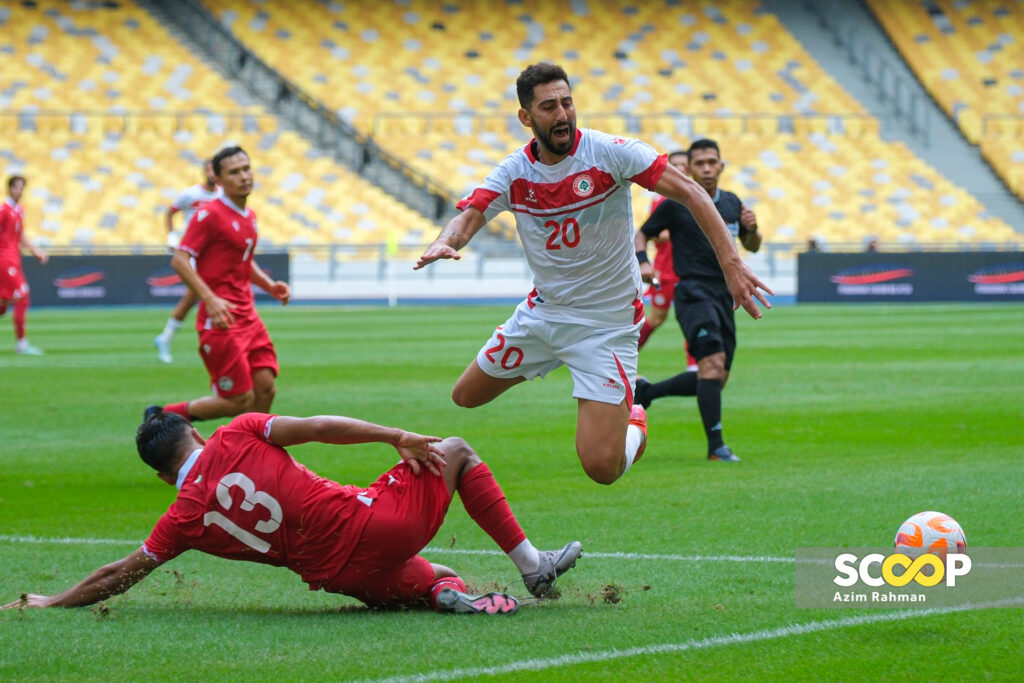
(188, 202)
(569, 191)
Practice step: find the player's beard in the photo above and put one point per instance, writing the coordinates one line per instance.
(558, 149)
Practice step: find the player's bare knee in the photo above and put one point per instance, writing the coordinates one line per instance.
(712, 367)
(604, 468)
(604, 472)
(266, 394)
(464, 399)
(459, 454)
(242, 403)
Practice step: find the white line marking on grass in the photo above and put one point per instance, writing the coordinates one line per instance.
(671, 648)
(67, 541)
(4, 538)
(633, 556)
(450, 551)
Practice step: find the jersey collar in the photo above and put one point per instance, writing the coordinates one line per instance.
(187, 467)
(533, 158)
(718, 195)
(234, 207)
(10, 202)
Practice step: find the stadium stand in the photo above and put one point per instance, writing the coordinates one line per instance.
(418, 89)
(108, 114)
(109, 117)
(804, 153)
(970, 57)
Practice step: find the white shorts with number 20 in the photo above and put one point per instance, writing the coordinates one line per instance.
(602, 361)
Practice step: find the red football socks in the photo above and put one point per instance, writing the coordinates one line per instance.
(486, 505)
(453, 582)
(20, 308)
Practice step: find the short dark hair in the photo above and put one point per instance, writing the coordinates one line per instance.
(15, 178)
(679, 152)
(703, 143)
(224, 154)
(538, 74)
(159, 440)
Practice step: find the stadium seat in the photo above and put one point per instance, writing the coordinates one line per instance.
(119, 115)
(970, 58)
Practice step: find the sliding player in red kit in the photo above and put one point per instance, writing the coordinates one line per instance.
(241, 496)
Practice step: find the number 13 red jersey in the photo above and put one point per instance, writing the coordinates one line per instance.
(243, 498)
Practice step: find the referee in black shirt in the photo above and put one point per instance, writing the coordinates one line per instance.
(704, 307)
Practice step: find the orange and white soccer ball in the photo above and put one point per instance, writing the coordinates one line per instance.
(930, 532)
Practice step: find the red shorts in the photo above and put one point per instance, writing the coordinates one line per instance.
(232, 355)
(12, 284)
(662, 297)
(384, 570)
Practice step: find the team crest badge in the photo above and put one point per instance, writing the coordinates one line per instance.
(583, 185)
(225, 384)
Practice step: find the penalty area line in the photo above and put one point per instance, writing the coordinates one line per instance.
(690, 645)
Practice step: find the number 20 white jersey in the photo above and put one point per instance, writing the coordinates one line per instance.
(575, 221)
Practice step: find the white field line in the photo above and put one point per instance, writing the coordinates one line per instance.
(42, 540)
(690, 645)
(67, 541)
(438, 550)
(645, 650)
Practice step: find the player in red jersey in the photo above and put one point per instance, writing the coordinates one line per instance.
(188, 202)
(13, 288)
(233, 341)
(663, 285)
(241, 496)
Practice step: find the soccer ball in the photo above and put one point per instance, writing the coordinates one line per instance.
(930, 532)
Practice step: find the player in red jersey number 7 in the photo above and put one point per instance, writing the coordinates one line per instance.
(233, 342)
(569, 191)
(241, 496)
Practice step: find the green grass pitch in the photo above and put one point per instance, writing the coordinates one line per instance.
(848, 419)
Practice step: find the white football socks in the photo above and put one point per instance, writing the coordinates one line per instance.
(170, 328)
(525, 557)
(634, 439)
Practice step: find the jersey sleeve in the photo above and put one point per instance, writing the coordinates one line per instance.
(491, 197)
(662, 218)
(182, 201)
(257, 424)
(164, 542)
(634, 160)
(197, 233)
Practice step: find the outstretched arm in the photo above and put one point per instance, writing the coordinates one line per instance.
(112, 579)
(743, 284)
(413, 448)
(454, 236)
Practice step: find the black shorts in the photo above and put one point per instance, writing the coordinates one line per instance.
(705, 314)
